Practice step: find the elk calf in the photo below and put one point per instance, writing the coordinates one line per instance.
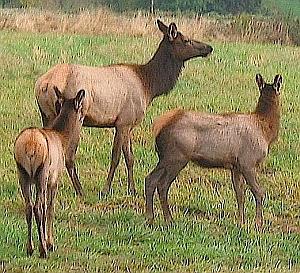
(234, 141)
(40, 157)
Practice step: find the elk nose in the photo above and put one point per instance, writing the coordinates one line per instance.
(210, 49)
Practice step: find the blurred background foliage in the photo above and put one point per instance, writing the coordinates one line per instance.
(198, 6)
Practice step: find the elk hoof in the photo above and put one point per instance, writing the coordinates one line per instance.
(241, 223)
(103, 194)
(169, 222)
(50, 247)
(132, 192)
(43, 254)
(259, 227)
(149, 222)
(80, 193)
(30, 251)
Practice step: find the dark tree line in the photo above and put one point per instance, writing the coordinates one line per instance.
(199, 6)
(205, 6)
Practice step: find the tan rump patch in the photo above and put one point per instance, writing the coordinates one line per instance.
(31, 149)
(166, 119)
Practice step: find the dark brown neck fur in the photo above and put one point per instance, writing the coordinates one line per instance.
(69, 133)
(268, 114)
(161, 73)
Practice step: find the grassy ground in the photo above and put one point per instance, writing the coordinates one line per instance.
(109, 235)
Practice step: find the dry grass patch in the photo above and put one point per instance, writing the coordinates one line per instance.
(103, 21)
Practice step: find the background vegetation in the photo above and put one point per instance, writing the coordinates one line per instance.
(290, 7)
(240, 28)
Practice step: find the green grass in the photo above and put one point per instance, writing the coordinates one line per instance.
(109, 235)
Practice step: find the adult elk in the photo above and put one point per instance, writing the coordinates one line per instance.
(118, 95)
(234, 141)
(40, 156)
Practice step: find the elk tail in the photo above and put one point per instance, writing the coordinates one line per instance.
(31, 149)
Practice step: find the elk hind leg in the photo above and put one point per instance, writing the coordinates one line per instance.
(51, 194)
(71, 168)
(171, 171)
(40, 210)
(24, 181)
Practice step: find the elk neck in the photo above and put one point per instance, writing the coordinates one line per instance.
(268, 114)
(161, 73)
(68, 131)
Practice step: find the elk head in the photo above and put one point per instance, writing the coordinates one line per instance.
(269, 89)
(183, 48)
(70, 110)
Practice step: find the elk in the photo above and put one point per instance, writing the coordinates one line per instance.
(234, 141)
(118, 95)
(40, 156)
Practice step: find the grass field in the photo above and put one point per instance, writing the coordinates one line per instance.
(109, 235)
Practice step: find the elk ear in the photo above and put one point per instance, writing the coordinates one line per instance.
(57, 93)
(78, 101)
(260, 82)
(277, 83)
(162, 27)
(59, 101)
(172, 32)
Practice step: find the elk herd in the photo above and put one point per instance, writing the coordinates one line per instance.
(70, 96)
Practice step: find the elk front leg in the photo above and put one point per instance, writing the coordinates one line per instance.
(129, 160)
(239, 188)
(71, 168)
(115, 159)
(258, 194)
(151, 182)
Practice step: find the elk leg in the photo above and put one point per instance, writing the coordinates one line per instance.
(239, 188)
(115, 159)
(258, 194)
(171, 171)
(71, 168)
(150, 186)
(40, 213)
(129, 160)
(52, 190)
(24, 181)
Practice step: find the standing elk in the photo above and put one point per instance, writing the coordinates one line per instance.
(118, 95)
(234, 141)
(40, 156)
